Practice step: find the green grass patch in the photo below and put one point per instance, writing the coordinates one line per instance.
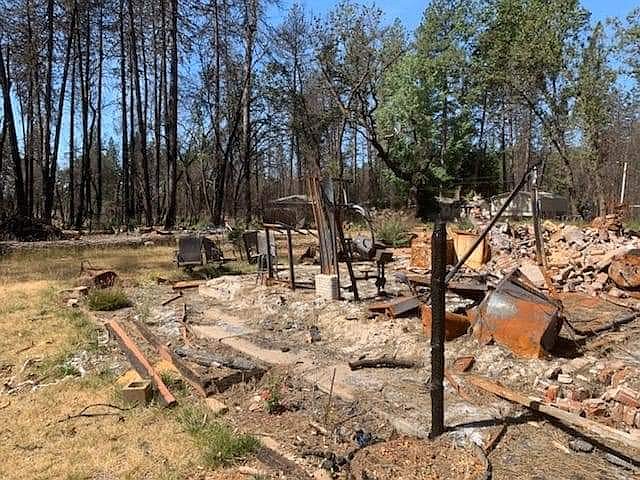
(394, 232)
(107, 299)
(218, 444)
(174, 383)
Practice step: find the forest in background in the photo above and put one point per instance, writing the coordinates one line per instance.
(131, 112)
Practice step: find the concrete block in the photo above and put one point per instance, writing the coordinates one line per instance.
(137, 391)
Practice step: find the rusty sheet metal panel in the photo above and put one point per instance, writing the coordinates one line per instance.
(519, 317)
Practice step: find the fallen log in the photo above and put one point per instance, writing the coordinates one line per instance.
(139, 362)
(585, 425)
(381, 362)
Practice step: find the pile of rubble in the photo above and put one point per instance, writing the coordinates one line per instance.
(592, 259)
(602, 390)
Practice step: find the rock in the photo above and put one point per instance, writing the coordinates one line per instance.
(322, 474)
(552, 373)
(579, 445)
(625, 270)
(216, 406)
(564, 378)
(313, 335)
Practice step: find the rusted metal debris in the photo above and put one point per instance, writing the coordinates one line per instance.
(455, 325)
(474, 287)
(625, 270)
(519, 317)
(139, 362)
(396, 307)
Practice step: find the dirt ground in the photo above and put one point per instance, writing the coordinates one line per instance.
(55, 360)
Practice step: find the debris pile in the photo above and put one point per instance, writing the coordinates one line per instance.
(26, 229)
(606, 391)
(598, 258)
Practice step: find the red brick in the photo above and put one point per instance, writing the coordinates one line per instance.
(618, 377)
(551, 393)
(627, 397)
(594, 407)
(629, 415)
(569, 405)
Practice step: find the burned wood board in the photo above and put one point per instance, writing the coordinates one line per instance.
(205, 381)
(396, 307)
(188, 284)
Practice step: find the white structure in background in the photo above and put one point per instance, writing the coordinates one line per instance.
(552, 205)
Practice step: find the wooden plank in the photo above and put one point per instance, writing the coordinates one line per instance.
(139, 362)
(600, 430)
(188, 284)
(404, 306)
(204, 386)
(196, 381)
(396, 307)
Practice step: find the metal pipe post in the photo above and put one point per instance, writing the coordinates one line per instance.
(269, 262)
(438, 271)
(292, 278)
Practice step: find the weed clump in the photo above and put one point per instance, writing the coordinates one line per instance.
(107, 299)
(219, 445)
(394, 232)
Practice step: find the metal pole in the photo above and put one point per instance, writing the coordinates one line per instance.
(438, 271)
(269, 264)
(541, 258)
(624, 182)
(292, 278)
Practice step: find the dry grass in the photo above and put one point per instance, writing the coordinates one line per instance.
(36, 326)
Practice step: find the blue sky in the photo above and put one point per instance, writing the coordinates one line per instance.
(410, 11)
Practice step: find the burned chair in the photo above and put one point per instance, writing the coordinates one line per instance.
(196, 251)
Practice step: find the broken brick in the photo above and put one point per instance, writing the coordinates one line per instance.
(594, 407)
(463, 364)
(618, 377)
(627, 397)
(569, 405)
(616, 412)
(578, 394)
(551, 393)
(629, 415)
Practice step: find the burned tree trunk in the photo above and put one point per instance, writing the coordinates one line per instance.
(172, 119)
